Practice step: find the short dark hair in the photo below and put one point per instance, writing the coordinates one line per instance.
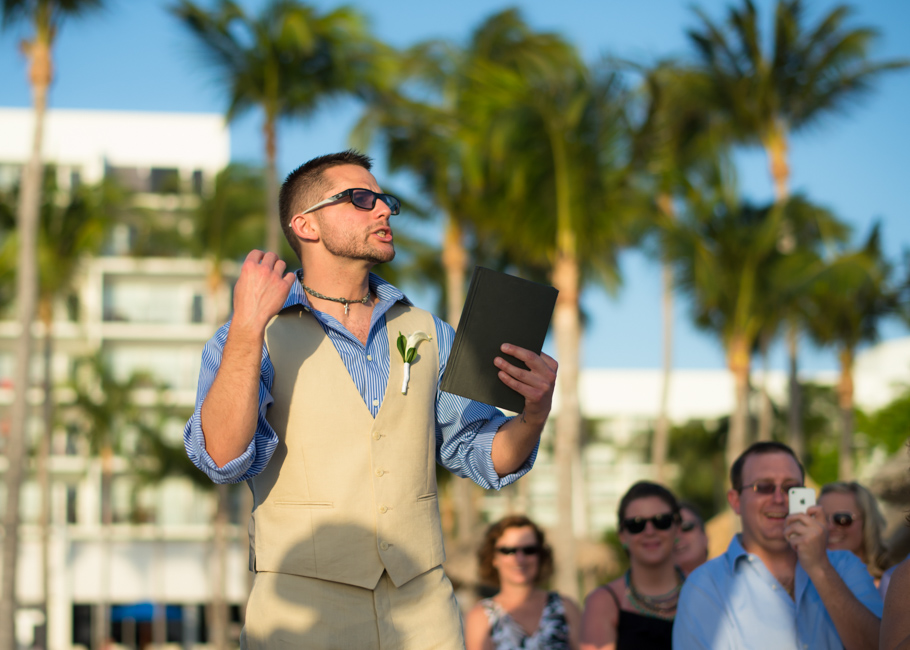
(643, 489)
(757, 449)
(303, 187)
(488, 573)
(691, 507)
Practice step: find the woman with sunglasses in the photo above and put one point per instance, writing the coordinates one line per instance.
(514, 557)
(691, 548)
(637, 610)
(855, 524)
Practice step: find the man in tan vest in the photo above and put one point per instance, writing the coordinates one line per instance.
(304, 396)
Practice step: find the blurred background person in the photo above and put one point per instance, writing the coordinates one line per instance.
(855, 524)
(515, 557)
(637, 609)
(691, 548)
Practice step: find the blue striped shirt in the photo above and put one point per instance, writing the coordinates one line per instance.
(464, 428)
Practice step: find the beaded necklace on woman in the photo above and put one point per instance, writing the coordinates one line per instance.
(660, 606)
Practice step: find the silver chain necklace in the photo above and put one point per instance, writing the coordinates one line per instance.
(343, 301)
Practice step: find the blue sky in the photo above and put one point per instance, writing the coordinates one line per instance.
(134, 56)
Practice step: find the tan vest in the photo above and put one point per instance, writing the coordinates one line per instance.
(345, 496)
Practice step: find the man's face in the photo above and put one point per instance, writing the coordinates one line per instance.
(350, 232)
(763, 515)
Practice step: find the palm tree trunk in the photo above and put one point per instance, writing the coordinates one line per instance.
(26, 292)
(738, 361)
(794, 416)
(101, 622)
(567, 328)
(454, 262)
(766, 412)
(219, 618)
(845, 402)
(777, 147)
(44, 450)
(273, 224)
(662, 428)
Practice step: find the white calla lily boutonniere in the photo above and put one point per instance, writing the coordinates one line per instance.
(408, 349)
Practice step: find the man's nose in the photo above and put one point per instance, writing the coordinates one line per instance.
(381, 210)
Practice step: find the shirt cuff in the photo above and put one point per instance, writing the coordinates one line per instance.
(233, 472)
(484, 441)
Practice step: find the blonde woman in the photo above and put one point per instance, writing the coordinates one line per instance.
(855, 524)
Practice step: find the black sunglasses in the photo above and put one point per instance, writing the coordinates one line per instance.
(687, 526)
(843, 519)
(636, 525)
(361, 198)
(512, 550)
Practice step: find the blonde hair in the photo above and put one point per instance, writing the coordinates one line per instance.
(874, 551)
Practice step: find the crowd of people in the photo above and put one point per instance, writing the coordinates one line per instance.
(807, 580)
(345, 537)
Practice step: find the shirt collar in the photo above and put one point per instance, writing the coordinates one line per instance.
(385, 291)
(735, 551)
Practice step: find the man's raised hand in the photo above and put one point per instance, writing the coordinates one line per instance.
(261, 290)
(536, 384)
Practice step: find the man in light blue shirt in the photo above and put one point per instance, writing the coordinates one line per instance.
(777, 586)
(293, 398)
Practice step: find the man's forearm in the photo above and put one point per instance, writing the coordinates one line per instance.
(856, 625)
(231, 408)
(513, 444)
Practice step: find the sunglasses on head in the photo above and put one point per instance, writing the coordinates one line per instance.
(687, 526)
(512, 550)
(843, 519)
(361, 198)
(636, 525)
(767, 488)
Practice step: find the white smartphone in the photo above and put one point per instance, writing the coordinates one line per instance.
(801, 499)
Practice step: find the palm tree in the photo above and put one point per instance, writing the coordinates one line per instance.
(671, 146)
(286, 61)
(105, 410)
(45, 17)
(808, 73)
(849, 300)
(225, 223)
(556, 174)
(438, 138)
(66, 235)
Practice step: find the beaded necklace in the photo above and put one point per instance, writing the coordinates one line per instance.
(660, 606)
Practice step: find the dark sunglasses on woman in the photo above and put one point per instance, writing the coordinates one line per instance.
(636, 525)
(512, 550)
(843, 519)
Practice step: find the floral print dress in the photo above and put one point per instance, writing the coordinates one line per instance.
(551, 634)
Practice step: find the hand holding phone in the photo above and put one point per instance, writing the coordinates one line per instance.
(801, 499)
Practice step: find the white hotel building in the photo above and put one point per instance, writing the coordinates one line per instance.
(155, 315)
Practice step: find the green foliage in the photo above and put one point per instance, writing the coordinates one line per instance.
(697, 449)
(889, 427)
(232, 216)
(288, 59)
(809, 70)
(820, 426)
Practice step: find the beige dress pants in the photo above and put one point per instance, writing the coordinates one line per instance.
(288, 611)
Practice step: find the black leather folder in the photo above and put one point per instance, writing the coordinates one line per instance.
(499, 308)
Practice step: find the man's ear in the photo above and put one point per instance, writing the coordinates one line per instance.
(305, 226)
(733, 499)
